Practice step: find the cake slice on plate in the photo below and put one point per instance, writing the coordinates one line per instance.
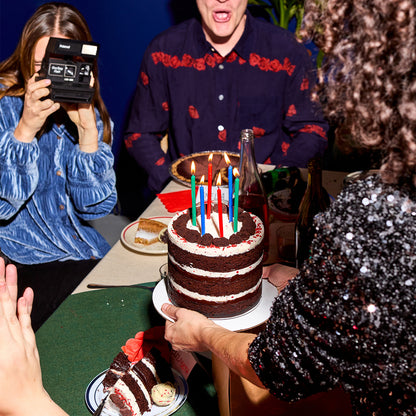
(148, 231)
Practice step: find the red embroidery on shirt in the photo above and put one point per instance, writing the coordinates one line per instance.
(165, 105)
(210, 60)
(268, 161)
(266, 65)
(258, 131)
(199, 64)
(312, 128)
(175, 62)
(222, 135)
(187, 61)
(193, 112)
(285, 147)
(305, 85)
(145, 78)
(130, 139)
(232, 56)
(291, 111)
(160, 161)
(239, 145)
(241, 61)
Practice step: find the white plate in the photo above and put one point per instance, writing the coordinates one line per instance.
(129, 232)
(94, 395)
(252, 318)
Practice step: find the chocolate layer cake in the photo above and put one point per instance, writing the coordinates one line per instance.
(130, 384)
(219, 277)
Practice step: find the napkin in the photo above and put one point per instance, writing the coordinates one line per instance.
(176, 201)
(136, 348)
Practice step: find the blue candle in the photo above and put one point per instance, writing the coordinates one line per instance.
(201, 198)
(237, 188)
(230, 193)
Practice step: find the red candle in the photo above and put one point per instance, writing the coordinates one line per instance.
(219, 206)
(209, 186)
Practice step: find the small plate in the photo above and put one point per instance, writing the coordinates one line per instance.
(94, 395)
(180, 169)
(129, 232)
(252, 318)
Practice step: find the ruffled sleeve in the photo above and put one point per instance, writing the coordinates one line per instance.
(18, 161)
(91, 181)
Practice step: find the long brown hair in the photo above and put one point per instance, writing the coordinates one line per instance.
(368, 78)
(48, 19)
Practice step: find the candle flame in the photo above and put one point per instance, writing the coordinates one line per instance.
(236, 173)
(202, 179)
(227, 159)
(211, 155)
(219, 180)
(193, 168)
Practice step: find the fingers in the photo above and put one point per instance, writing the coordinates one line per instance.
(24, 308)
(170, 310)
(11, 281)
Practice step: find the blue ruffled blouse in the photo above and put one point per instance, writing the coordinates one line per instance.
(49, 188)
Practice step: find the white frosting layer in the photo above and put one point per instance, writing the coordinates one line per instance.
(206, 273)
(230, 250)
(216, 299)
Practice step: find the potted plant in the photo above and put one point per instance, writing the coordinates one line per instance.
(281, 12)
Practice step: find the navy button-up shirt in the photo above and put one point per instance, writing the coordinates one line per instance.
(204, 100)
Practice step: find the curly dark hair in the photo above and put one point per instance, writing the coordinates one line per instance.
(368, 77)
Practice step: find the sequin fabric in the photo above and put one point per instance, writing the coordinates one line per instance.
(349, 318)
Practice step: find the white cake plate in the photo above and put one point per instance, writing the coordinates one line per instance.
(252, 318)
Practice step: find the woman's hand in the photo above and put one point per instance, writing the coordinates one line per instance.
(35, 110)
(83, 116)
(21, 388)
(185, 334)
(279, 275)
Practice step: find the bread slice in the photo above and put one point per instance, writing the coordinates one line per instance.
(148, 231)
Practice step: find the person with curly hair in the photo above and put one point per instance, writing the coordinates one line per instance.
(56, 167)
(348, 317)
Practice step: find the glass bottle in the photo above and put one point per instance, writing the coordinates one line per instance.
(314, 201)
(252, 197)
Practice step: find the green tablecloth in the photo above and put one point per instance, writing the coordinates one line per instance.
(82, 337)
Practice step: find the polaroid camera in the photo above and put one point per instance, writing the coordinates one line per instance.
(68, 64)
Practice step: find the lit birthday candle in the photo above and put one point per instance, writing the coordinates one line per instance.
(236, 191)
(201, 199)
(230, 187)
(193, 193)
(219, 206)
(209, 186)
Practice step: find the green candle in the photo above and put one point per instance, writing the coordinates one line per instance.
(236, 190)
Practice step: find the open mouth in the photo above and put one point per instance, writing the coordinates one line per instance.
(222, 16)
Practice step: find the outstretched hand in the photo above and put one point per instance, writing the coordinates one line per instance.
(21, 388)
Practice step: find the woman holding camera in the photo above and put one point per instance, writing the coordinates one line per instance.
(56, 167)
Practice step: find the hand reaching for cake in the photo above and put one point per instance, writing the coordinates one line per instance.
(279, 275)
(21, 389)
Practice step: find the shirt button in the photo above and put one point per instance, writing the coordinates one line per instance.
(220, 128)
(221, 97)
(59, 137)
(61, 207)
(74, 237)
(221, 66)
(58, 172)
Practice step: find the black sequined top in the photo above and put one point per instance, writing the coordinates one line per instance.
(349, 317)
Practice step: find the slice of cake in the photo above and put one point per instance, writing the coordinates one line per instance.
(131, 393)
(148, 231)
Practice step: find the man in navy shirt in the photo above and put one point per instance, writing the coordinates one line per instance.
(203, 81)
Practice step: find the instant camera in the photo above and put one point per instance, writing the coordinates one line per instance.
(68, 64)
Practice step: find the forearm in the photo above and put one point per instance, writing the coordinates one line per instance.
(232, 349)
